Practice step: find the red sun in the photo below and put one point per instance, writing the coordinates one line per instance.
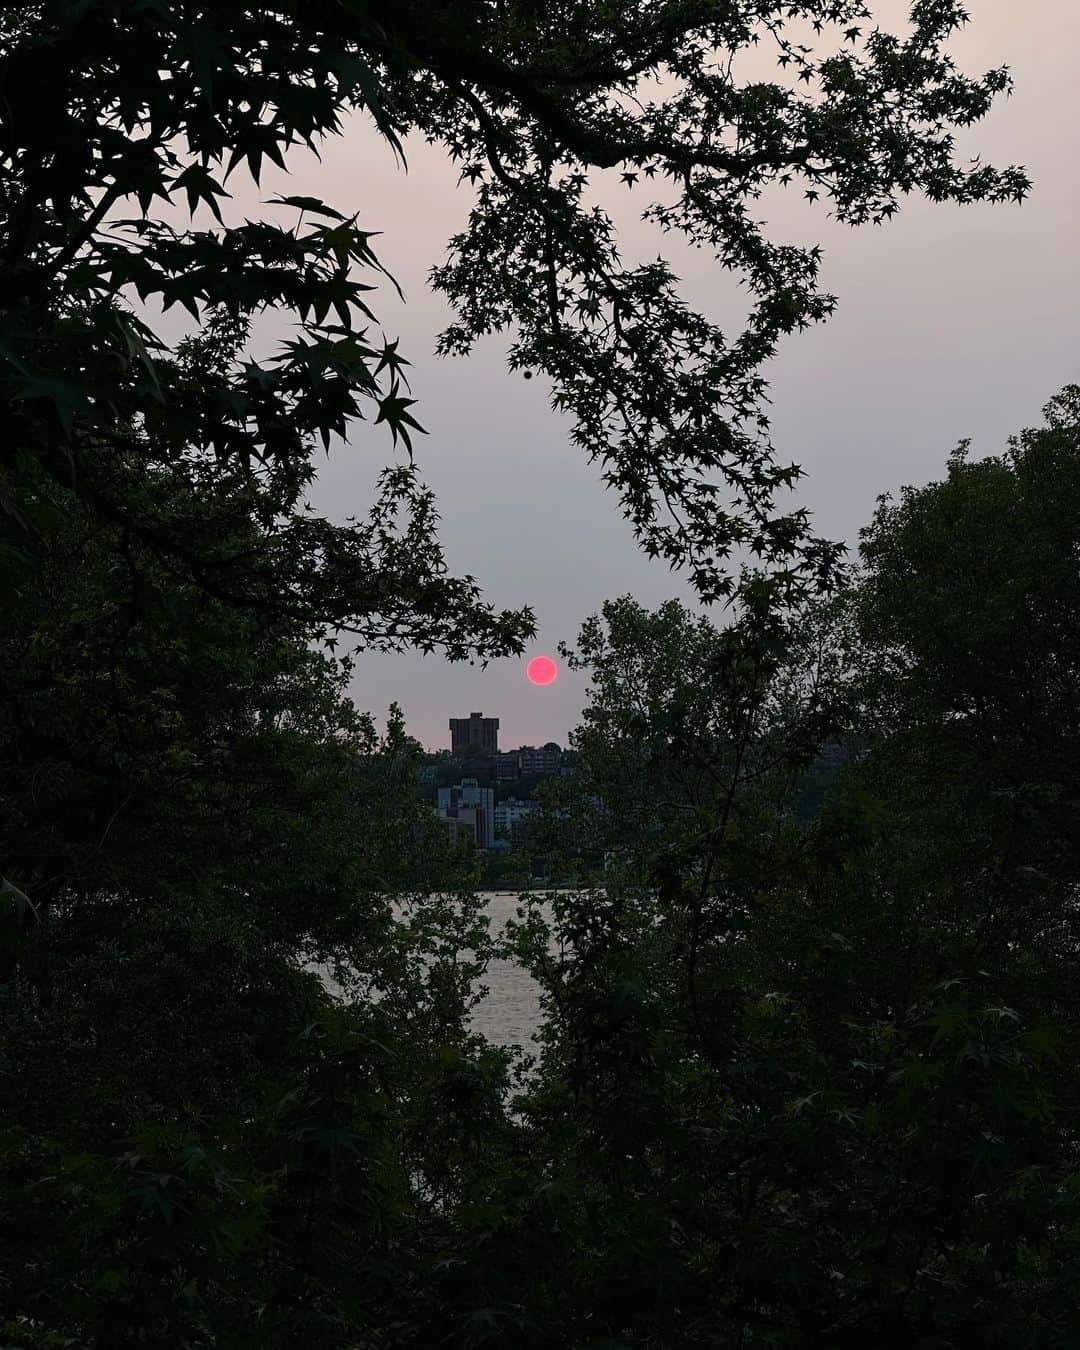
(542, 670)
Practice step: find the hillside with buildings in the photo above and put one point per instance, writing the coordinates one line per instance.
(485, 795)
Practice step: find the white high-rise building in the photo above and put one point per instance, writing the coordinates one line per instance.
(468, 801)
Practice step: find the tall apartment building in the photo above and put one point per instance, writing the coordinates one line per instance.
(459, 829)
(471, 805)
(474, 730)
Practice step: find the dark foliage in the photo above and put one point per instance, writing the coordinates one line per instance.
(802, 1083)
(151, 101)
(813, 1085)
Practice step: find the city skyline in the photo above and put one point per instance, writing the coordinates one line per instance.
(475, 735)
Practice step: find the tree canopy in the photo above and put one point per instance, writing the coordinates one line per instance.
(802, 1082)
(155, 101)
(811, 1085)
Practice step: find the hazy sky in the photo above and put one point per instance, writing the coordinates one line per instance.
(952, 322)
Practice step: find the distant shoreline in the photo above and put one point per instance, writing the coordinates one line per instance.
(536, 887)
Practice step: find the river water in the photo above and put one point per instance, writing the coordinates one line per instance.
(509, 1015)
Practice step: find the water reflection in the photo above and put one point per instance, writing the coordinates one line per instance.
(509, 1015)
